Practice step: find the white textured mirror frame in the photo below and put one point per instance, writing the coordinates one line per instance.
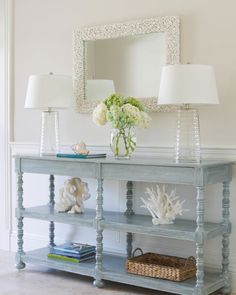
(170, 25)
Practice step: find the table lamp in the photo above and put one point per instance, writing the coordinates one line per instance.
(49, 93)
(99, 89)
(187, 85)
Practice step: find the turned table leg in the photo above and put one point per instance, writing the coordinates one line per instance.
(225, 238)
(51, 205)
(129, 212)
(20, 232)
(199, 288)
(129, 199)
(99, 248)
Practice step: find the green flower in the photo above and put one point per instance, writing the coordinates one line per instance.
(114, 115)
(113, 100)
(121, 112)
(134, 102)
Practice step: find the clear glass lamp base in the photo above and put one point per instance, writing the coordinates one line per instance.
(187, 146)
(49, 143)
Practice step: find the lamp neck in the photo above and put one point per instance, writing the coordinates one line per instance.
(49, 110)
(186, 106)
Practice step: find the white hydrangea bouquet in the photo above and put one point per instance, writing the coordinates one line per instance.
(124, 114)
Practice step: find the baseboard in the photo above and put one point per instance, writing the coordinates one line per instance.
(5, 239)
(233, 276)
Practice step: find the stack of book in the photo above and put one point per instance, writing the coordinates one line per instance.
(74, 252)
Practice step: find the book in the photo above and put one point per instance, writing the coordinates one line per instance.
(71, 259)
(81, 156)
(75, 248)
(75, 255)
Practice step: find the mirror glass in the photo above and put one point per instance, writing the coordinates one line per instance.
(124, 58)
(130, 66)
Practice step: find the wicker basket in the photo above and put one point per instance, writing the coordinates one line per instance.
(161, 266)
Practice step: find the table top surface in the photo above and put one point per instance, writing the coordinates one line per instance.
(134, 160)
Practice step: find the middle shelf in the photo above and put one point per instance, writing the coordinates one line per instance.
(117, 221)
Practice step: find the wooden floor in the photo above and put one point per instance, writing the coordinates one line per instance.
(42, 281)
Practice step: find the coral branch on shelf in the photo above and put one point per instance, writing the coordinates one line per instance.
(163, 207)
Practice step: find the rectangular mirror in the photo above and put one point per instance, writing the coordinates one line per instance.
(124, 58)
(131, 62)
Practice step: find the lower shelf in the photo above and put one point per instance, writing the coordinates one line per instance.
(114, 270)
(40, 257)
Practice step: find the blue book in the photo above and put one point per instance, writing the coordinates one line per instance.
(70, 259)
(76, 248)
(78, 256)
(81, 156)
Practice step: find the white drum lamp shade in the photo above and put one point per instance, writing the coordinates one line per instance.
(185, 85)
(188, 84)
(49, 93)
(99, 89)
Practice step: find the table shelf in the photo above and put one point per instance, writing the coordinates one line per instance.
(117, 221)
(40, 257)
(142, 224)
(114, 270)
(47, 213)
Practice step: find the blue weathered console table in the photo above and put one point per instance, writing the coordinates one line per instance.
(148, 169)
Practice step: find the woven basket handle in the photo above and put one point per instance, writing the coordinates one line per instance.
(190, 261)
(137, 249)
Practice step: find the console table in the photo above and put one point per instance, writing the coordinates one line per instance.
(148, 169)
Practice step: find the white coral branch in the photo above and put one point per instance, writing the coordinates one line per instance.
(163, 207)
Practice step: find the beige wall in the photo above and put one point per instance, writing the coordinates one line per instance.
(43, 44)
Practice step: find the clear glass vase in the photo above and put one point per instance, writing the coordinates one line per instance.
(123, 142)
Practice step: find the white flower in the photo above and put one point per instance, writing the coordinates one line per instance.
(132, 112)
(100, 114)
(144, 120)
(121, 113)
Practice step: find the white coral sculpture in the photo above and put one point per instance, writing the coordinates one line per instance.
(72, 196)
(163, 206)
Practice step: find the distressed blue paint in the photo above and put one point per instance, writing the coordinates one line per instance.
(137, 169)
(199, 288)
(51, 205)
(225, 239)
(129, 212)
(99, 247)
(20, 232)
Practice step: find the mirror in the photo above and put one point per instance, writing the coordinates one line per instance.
(124, 58)
(132, 63)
